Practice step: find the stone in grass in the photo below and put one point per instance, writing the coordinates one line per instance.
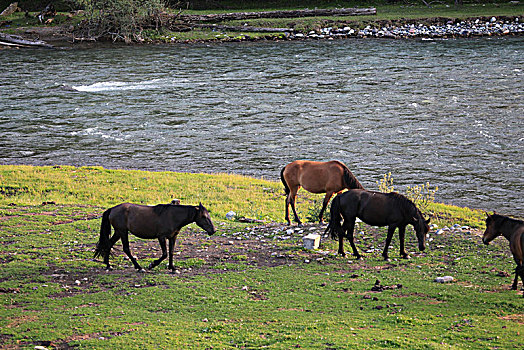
(445, 279)
(311, 241)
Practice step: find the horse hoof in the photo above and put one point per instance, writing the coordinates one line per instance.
(141, 270)
(406, 257)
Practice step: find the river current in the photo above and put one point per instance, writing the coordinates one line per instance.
(447, 112)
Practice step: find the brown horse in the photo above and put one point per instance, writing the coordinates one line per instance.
(161, 221)
(316, 177)
(513, 231)
(376, 209)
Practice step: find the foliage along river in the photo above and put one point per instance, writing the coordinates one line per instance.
(448, 111)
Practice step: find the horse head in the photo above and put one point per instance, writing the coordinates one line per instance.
(491, 229)
(421, 230)
(203, 219)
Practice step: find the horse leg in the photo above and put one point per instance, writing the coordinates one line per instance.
(516, 280)
(125, 244)
(287, 209)
(162, 241)
(402, 236)
(171, 248)
(521, 273)
(292, 197)
(391, 230)
(324, 205)
(350, 235)
(341, 243)
(112, 241)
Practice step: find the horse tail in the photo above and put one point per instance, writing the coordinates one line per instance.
(102, 247)
(286, 187)
(350, 179)
(334, 226)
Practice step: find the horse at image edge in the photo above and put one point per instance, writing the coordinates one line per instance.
(513, 231)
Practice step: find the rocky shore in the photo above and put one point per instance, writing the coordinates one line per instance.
(448, 29)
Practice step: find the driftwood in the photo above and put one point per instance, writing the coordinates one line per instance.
(244, 28)
(15, 40)
(278, 14)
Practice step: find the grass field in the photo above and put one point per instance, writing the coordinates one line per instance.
(248, 286)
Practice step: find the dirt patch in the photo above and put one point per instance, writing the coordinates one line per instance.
(196, 253)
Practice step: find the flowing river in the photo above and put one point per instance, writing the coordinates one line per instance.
(447, 112)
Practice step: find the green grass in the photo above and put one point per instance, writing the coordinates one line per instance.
(54, 294)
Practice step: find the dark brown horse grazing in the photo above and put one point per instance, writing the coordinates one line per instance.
(161, 221)
(316, 177)
(513, 231)
(376, 209)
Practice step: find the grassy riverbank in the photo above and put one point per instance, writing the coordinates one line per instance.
(246, 287)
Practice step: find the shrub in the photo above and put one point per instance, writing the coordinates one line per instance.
(386, 183)
(421, 195)
(119, 19)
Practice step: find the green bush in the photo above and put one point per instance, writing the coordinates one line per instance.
(119, 20)
(422, 195)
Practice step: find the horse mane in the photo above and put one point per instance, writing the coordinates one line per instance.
(160, 208)
(350, 179)
(407, 207)
(503, 218)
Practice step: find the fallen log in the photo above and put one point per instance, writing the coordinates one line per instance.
(3, 43)
(278, 14)
(244, 28)
(18, 40)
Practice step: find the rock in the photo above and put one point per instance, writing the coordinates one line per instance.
(231, 215)
(311, 241)
(445, 279)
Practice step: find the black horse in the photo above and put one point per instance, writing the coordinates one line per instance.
(376, 209)
(513, 231)
(162, 221)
